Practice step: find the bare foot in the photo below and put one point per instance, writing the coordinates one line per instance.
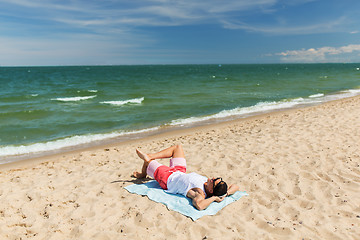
(138, 175)
(143, 156)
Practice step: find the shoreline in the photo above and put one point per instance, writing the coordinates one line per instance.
(162, 133)
(154, 131)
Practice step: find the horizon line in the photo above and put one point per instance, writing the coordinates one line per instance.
(175, 64)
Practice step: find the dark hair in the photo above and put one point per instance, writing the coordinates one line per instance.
(220, 189)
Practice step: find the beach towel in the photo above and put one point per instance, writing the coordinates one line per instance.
(178, 202)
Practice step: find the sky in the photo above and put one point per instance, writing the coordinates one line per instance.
(128, 32)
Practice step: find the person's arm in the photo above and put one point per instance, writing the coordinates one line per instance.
(232, 189)
(199, 201)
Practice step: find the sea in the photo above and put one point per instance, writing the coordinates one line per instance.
(44, 110)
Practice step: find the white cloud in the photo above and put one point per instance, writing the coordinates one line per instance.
(44, 4)
(128, 14)
(325, 27)
(323, 54)
(229, 6)
(144, 13)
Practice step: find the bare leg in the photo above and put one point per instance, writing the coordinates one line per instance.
(147, 160)
(173, 151)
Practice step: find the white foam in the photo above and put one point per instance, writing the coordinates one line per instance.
(268, 106)
(259, 107)
(63, 143)
(73, 99)
(92, 90)
(342, 94)
(316, 95)
(119, 103)
(353, 92)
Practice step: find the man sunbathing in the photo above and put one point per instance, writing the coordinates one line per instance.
(174, 179)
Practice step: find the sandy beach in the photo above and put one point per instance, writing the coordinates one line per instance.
(300, 167)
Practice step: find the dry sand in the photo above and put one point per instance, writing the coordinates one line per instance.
(300, 168)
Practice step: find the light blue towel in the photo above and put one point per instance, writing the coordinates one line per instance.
(180, 203)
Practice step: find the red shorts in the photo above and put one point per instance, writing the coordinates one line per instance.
(161, 173)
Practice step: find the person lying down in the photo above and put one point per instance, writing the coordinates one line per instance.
(174, 179)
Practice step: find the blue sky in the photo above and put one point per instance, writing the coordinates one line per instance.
(105, 32)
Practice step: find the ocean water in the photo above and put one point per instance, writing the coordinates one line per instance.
(51, 108)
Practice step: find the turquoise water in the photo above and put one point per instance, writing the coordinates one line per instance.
(47, 108)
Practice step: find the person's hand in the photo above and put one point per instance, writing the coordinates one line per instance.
(218, 199)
